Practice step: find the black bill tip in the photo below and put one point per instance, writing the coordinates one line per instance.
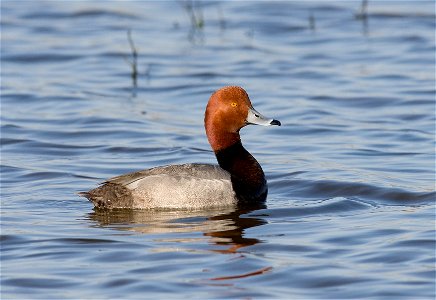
(275, 122)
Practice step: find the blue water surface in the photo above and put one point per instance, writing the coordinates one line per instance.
(351, 172)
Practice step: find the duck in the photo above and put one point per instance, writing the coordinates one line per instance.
(237, 179)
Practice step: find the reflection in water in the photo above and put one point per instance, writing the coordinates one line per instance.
(234, 236)
(257, 272)
(224, 227)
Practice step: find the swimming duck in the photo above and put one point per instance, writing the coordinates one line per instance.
(238, 179)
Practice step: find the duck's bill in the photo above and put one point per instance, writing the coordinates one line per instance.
(254, 117)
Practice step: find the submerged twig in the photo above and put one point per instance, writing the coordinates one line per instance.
(363, 13)
(134, 62)
(312, 24)
(195, 13)
(222, 21)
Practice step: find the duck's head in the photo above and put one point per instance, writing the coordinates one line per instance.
(228, 110)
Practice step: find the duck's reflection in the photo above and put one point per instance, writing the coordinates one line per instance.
(224, 227)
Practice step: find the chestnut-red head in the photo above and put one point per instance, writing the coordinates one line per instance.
(228, 110)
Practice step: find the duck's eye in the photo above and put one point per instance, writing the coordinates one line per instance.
(256, 115)
(234, 104)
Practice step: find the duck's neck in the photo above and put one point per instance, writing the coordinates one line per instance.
(247, 176)
(220, 140)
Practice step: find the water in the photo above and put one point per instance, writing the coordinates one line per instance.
(350, 211)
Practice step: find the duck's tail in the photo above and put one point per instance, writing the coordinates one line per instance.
(87, 195)
(109, 196)
(96, 198)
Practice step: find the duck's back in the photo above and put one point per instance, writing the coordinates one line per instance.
(186, 186)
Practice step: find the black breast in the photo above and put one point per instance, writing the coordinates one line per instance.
(247, 176)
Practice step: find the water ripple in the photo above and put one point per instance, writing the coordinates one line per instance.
(322, 189)
(350, 211)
